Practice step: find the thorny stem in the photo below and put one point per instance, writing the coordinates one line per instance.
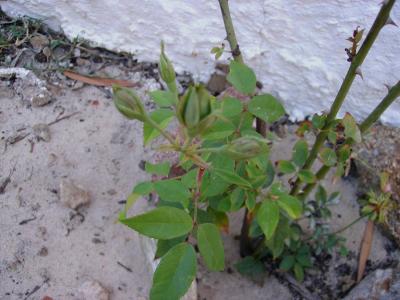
(230, 31)
(245, 241)
(392, 95)
(379, 22)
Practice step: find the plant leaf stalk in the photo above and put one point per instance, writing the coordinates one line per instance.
(379, 23)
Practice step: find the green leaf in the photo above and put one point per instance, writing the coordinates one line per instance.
(268, 217)
(189, 180)
(143, 188)
(163, 98)
(266, 107)
(344, 153)
(172, 190)
(286, 167)
(351, 129)
(231, 107)
(175, 273)
(220, 129)
(328, 157)
(220, 203)
(318, 121)
(162, 117)
(163, 246)
(292, 205)
(304, 260)
(211, 247)
(161, 169)
(237, 199)
(242, 77)
(251, 267)
(232, 178)
(161, 223)
(287, 263)
(300, 153)
(307, 176)
(250, 200)
(298, 272)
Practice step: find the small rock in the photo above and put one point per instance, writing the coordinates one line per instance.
(43, 251)
(41, 132)
(38, 42)
(72, 195)
(92, 290)
(380, 285)
(217, 84)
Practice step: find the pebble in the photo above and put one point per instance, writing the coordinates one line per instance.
(41, 132)
(73, 196)
(93, 290)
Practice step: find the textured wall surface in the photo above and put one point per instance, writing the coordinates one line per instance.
(296, 47)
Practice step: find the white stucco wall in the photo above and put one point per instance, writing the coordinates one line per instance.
(296, 47)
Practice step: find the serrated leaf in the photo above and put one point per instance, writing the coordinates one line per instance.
(162, 117)
(231, 107)
(307, 176)
(161, 169)
(232, 178)
(175, 273)
(268, 217)
(172, 190)
(286, 167)
(163, 246)
(292, 206)
(163, 98)
(328, 157)
(161, 223)
(211, 247)
(300, 153)
(266, 107)
(351, 129)
(220, 130)
(242, 77)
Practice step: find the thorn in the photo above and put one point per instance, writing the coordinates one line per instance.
(390, 21)
(359, 72)
(388, 87)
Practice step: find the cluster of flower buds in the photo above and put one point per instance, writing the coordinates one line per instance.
(246, 147)
(194, 110)
(129, 104)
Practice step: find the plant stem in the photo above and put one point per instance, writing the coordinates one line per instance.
(230, 31)
(379, 22)
(162, 131)
(392, 95)
(245, 241)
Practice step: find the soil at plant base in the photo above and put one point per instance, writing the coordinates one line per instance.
(53, 241)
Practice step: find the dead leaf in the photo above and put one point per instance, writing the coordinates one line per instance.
(98, 80)
(365, 249)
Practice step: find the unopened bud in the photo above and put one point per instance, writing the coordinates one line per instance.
(194, 110)
(167, 71)
(246, 147)
(128, 103)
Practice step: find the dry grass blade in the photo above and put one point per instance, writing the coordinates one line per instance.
(365, 249)
(98, 80)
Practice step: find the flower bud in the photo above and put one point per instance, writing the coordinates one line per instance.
(128, 103)
(167, 71)
(194, 110)
(246, 147)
